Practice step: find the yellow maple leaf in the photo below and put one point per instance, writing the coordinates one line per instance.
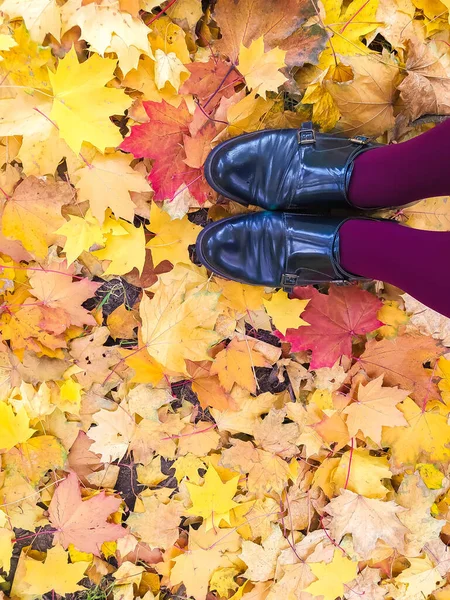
(54, 574)
(106, 183)
(236, 364)
(142, 79)
(107, 29)
(214, 499)
(392, 317)
(81, 234)
(325, 111)
(14, 428)
(125, 252)
(362, 473)
(245, 115)
(173, 236)
(332, 576)
(35, 457)
(261, 69)
(285, 313)
(188, 466)
(240, 297)
(348, 27)
(25, 62)
(177, 324)
(421, 578)
(427, 436)
(81, 121)
(169, 69)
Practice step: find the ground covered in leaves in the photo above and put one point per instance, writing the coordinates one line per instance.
(168, 434)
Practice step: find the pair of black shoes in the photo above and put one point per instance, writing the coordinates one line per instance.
(289, 173)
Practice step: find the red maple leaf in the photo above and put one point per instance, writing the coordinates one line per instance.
(334, 318)
(162, 140)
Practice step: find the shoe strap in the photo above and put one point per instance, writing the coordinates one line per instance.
(307, 243)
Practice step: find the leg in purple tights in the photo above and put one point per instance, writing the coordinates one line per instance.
(415, 261)
(398, 174)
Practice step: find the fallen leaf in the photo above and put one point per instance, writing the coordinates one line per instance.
(55, 571)
(83, 524)
(334, 319)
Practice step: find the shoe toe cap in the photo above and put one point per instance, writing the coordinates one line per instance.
(249, 248)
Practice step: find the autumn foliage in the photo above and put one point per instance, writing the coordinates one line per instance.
(164, 433)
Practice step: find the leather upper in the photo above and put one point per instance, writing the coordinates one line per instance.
(274, 249)
(285, 169)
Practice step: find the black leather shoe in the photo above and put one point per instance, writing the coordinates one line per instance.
(274, 249)
(286, 169)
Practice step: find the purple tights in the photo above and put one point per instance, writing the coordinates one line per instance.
(413, 260)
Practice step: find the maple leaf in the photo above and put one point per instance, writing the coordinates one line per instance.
(244, 411)
(236, 365)
(158, 525)
(14, 428)
(107, 29)
(113, 433)
(106, 182)
(374, 79)
(169, 68)
(375, 407)
(262, 69)
(261, 560)
(33, 458)
(419, 580)
(213, 500)
(272, 435)
(426, 87)
(281, 310)
(427, 435)
(61, 297)
(33, 214)
(357, 471)
(177, 324)
(125, 252)
(357, 20)
(418, 500)
(173, 236)
(335, 319)
(161, 139)
(81, 234)
(240, 21)
(54, 574)
(208, 77)
(431, 214)
(332, 576)
(40, 17)
(367, 520)
(401, 362)
(194, 569)
(207, 386)
(24, 62)
(266, 472)
(83, 524)
(78, 123)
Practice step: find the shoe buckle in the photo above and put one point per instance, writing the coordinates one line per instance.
(306, 136)
(288, 281)
(360, 139)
